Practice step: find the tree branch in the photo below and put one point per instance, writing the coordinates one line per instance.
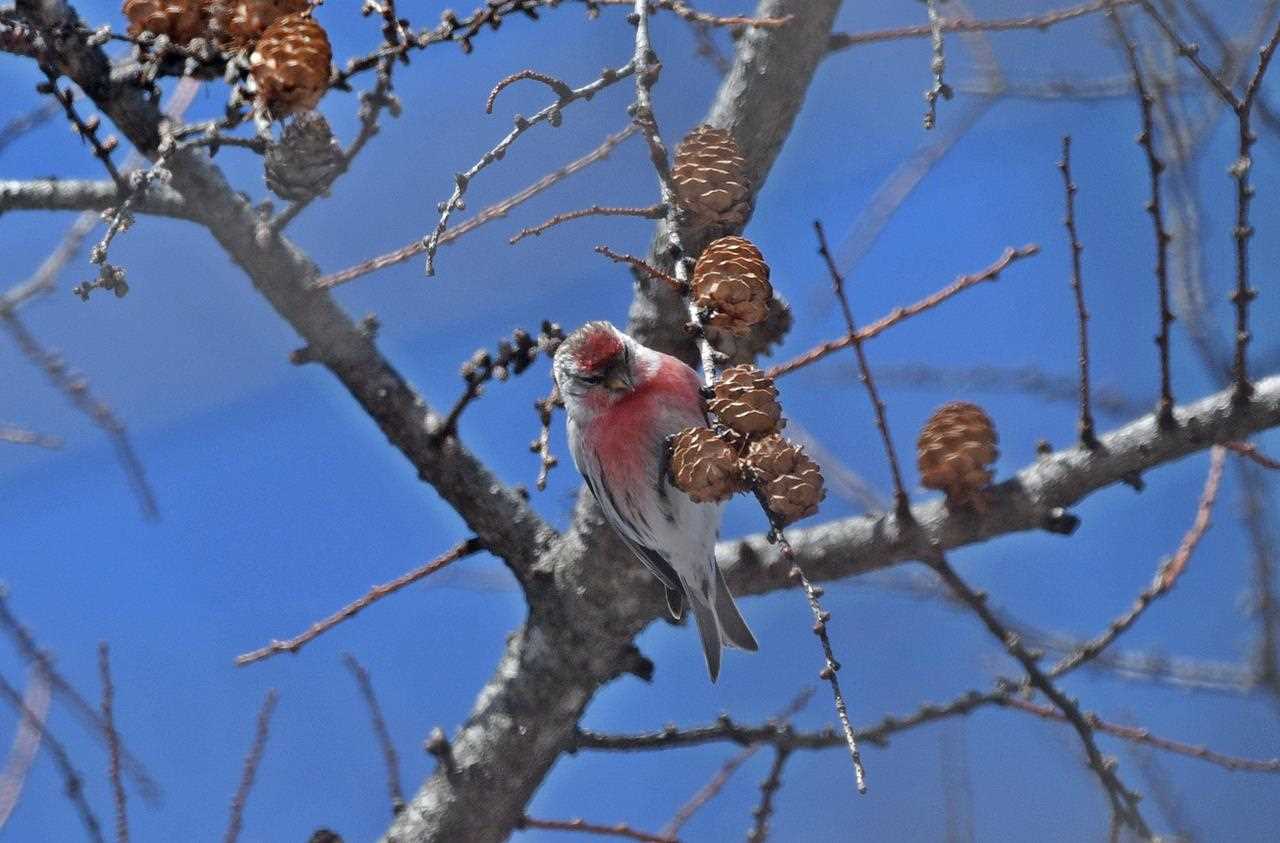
(77, 195)
(1034, 499)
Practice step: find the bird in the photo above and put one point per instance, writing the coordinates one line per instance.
(623, 401)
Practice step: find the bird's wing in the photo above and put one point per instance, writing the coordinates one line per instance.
(653, 559)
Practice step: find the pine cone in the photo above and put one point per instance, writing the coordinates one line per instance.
(791, 482)
(746, 401)
(306, 160)
(955, 448)
(238, 23)
(291, 65)
(711, 182)
(180, 20)
(704, 467)
(731, 280)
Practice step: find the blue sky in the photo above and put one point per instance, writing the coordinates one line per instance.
(281, 501)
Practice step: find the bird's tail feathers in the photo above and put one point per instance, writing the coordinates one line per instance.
(733, 629)
(709, 629)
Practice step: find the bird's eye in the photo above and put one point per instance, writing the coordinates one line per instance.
(591, 379)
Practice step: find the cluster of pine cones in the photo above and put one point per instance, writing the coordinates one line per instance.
(290, 53)
(745, 450)
(730, 286)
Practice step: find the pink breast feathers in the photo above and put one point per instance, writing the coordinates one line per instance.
(624, 435)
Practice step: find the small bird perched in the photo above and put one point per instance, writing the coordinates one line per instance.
(622, 401)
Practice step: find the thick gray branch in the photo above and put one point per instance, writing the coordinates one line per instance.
(1033, 499)
(759, 101)
(75, 195)
(498, 515)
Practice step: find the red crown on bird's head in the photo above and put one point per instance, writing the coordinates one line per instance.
(594, 346)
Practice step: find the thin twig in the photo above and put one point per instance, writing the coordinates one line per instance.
(26, 741)
(38, 658)
(1166, 577)
(937, 66)
(22, 436)
(251, 762)
(86, 129)
(73, 785)
(558, 86)
(1155, 207)
(842, 40)
(832, 667)
(1124, 802)
(645, 267)
(651, 212)
(514, 356)
(685, 12)
(902, 504)
(113, 744)
(1087, 436)
(1240, 171)
(768, 792)
(1140, 735)
(389, 758)
(1250, 450)
(495, 211)
(542, 445)
(582, 826)
(76, 389)
(550, 114)
(901, 314)
(717, 782)
(374, 594)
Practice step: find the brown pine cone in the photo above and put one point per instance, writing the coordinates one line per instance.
(291, 65)
(955, 448)
(711, 182)
(306, 160)
(704, 467)
(790, 481)
(746, 401)
(236, 24)
(180, 20)
(731, 280)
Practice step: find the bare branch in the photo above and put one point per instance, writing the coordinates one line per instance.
(1034, 499)
(113, 744)
(900, 314)
(768, 792)
(582, 826)
(1166, 577)
(73, 784)
(937, 66)
(76, 195)
(22, 436)
(650, 212)
(374, 594)
(1250, 450)
(76, 389)
(39, 659)
(1087, 436)
(1042, 22)
(390, 760)
(902, 504)
(251, 762)
(551, 114)
(1155, 207)
(496, 211)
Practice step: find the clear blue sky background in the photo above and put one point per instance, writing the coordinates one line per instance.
(281, 501)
